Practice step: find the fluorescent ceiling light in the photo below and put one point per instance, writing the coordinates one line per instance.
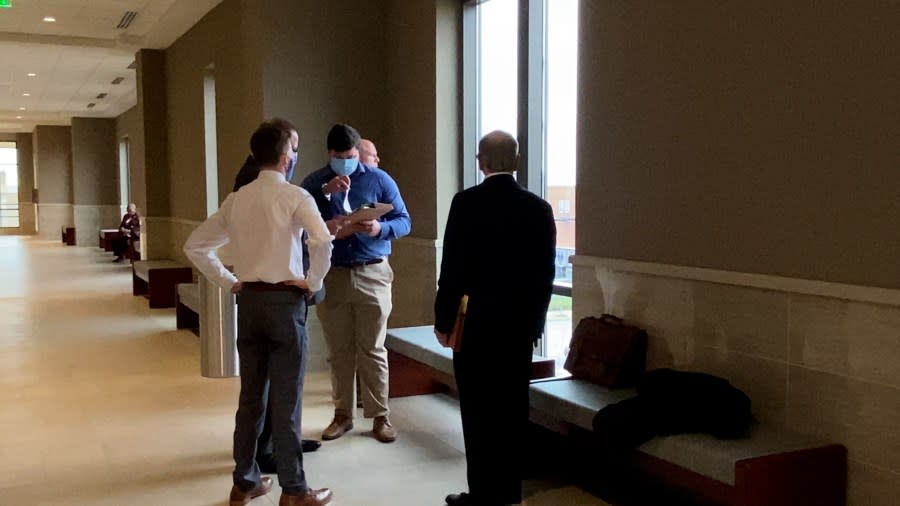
(32, 74)
(21, 108)
(26, 94)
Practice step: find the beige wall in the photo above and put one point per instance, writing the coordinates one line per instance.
(316, 78)
(745, 136)
(130, 126)
(820, 358)
(94, 153)
(151, 110)
(220, 39)
(53, 163)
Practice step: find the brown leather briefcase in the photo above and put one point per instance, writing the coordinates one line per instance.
(607, 352)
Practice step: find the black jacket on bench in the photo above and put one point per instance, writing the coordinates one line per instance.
(674, 402)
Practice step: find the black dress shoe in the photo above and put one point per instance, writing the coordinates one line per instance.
(267, 464)
(462, 499)
(309, 445)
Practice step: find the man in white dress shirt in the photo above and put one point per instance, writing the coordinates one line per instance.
(264, 222)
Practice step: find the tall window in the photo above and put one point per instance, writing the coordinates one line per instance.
(520, 75)
(209, 131)
(9, 185)
(124, 173)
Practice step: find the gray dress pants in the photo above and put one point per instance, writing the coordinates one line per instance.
(272, 347)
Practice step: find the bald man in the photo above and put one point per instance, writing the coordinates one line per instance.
(499, 249)
(368, 153)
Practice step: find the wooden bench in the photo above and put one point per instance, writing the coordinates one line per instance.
(107, 236)
(156, 280)
(769, 467)
(68, 235)
(420, 365)
(187, 306)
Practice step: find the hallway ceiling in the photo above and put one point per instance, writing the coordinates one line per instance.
(77, 57)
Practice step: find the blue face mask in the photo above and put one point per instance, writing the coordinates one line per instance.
(292, 163)
(344, 166)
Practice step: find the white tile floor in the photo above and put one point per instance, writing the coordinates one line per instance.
(103, 404)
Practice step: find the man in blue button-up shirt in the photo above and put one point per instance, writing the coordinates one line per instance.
(357, 301)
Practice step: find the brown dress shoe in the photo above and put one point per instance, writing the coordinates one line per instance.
(240, 497)
(339, 426)
(310, 498)
(383, 430)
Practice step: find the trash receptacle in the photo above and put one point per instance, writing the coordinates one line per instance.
(218, 331)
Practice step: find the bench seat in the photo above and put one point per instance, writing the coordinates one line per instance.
(420, 365)
(156, 279)
(767, 467)
(187, 306)
(106, 237)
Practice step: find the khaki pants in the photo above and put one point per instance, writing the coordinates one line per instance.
(354, 316)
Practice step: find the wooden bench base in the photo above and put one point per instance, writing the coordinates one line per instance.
(68, 235)
(187, 311)
(107, 236)
(159, 287)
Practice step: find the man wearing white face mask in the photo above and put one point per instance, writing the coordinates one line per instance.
(357, 300)
(265, 456)
(250, 170)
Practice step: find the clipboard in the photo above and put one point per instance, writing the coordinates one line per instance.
(371, 211)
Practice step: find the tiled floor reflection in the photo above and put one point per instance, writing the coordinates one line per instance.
(103, 404)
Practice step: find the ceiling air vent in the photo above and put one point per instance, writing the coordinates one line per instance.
(91, 105)
(132, 65)
(126, 20)
(102, 95)
(118, 80)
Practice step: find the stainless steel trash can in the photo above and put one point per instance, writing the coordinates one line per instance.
(218, 331)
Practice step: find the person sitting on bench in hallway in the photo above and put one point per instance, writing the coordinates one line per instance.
(130, 230)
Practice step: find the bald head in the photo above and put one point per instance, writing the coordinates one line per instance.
(368, 153)
(498, 151)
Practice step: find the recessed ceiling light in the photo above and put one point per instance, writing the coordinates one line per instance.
(26, 94)
(18, 117)
(32, 74)
(21, 108)
(50, 19)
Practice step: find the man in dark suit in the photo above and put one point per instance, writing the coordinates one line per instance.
(499, 249)
(265, 450)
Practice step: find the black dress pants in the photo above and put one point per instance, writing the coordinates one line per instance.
(272, 347)
(492, 375)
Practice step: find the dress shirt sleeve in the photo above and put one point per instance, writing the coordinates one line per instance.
(397, 223)
(200, 247)
(318, 241)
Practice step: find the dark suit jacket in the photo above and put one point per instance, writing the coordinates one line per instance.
(499, 249)
(248, 173)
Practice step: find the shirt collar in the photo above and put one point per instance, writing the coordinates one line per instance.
(274, 175)
(497, 174)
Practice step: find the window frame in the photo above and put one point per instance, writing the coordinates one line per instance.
(532, 83)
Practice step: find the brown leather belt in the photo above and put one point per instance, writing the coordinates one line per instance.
(261, 286)
(360, 264)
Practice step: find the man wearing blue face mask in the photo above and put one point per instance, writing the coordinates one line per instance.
(357, 300)
(250, 169)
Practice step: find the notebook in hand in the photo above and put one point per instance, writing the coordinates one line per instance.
(454, 338)
(371, 211)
